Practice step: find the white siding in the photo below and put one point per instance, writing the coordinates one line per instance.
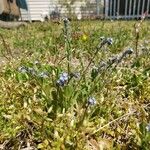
(25, 15)
(84, 8)
(38, 7)
(35, 9)
(79, 7)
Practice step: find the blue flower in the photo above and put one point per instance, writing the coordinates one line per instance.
(91, 101)
(109, 41)
(64, 77)
(126, 52)
(129, 51)
(23, 69)
(66, 20)
(60, 82)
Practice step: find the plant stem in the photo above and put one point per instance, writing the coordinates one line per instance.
(136, 43)
(87, 67)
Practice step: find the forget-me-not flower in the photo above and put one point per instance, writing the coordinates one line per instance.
(64, 77)
(91, 101)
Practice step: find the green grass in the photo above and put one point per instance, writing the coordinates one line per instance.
(36, 112)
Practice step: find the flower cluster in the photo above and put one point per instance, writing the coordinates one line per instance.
(115, 59)
(129, 51)
(108, 41)
(24, 69)
(32, 71)
(66, 21)
(63, 79)
(66, 25)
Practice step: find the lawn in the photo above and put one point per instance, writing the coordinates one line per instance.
(75, 85)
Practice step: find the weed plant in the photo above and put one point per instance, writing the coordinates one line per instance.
(76, 85)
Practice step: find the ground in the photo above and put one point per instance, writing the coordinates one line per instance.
(75, 85)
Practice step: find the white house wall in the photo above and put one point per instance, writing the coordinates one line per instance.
(78, 8)
(111, 9)
(38, 8)
(25, 15)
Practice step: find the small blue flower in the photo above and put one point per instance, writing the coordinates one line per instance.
(64, 77)
(60, 82)
(23, 69)
(126, 52)
(91, 101)
(66, 20)
(43, 75)
(148, 128)
(129, 51)
(109, 41)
